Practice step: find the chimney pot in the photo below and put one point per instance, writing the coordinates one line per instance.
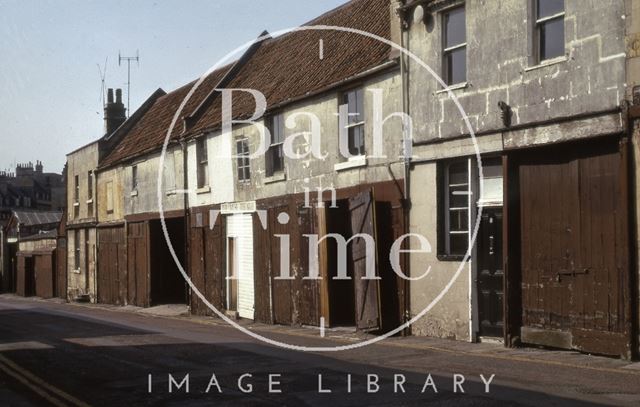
(118, 95)
(109, 96)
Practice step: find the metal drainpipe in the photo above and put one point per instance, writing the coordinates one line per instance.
(187, 220)
(406, 206)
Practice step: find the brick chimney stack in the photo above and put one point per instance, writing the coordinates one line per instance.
(114, 112)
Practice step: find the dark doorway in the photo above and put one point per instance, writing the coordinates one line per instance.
(13, 268)
(232, 272)
(341, 292)
(29, 277)
(356, 301)
(490, 274)
(167, 283)
(385, 237)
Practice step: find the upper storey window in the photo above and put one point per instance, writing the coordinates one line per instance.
(275, 154)
(354, 101)
(454, 46)
(202, 158)
(549, 27)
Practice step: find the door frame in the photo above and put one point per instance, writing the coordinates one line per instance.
(232, 267)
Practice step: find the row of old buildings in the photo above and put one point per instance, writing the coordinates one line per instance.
(31, 205)
(512, 218)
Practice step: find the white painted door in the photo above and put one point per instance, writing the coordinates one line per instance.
(240, 227)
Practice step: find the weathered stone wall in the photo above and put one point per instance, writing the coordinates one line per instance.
(144, 199)
(332, 171)
(449, 318)
(111, 178)
(80, 163)
(589, 79)
(500, 67)
(81, 280)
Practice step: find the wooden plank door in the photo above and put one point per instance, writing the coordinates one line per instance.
(282, 290)
(575, 248)
(367, 291)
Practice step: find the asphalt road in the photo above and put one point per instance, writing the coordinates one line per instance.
(61, 354)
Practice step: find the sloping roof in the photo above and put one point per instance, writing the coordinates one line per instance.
(32, 218)
(149, 132)
(284, 69)
(49, 234)
(289, 67)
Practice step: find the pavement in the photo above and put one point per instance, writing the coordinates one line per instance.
(54, 353)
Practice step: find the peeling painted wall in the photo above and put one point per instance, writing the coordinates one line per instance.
(79, 163)
(110, 179)
(144, 199)
(220, 167)
(315, 173)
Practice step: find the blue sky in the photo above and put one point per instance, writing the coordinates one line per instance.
(50, 51)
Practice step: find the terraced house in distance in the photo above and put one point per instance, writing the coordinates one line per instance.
(82, 199)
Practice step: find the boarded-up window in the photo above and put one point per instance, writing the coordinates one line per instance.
(134, 178)
(110, 197)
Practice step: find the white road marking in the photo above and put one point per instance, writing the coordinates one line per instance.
(23, 345)
(126, 340)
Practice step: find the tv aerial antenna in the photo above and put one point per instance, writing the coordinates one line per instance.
(103, 76)
(128, 60)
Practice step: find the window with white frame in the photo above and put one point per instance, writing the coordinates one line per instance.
(454, 211)
(454, 44)
(275, 153)
(202, 158)
(242, 159)
(549, 29)
(354, 100)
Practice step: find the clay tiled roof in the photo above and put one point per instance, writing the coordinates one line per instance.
(149, 132)
(289, 67)
(284, 69)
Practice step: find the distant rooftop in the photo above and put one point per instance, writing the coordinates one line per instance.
(32, 218)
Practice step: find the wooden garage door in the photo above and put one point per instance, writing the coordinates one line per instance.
(112, 266)
(575, 247)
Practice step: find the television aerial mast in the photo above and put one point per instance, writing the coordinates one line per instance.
(128, 60)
